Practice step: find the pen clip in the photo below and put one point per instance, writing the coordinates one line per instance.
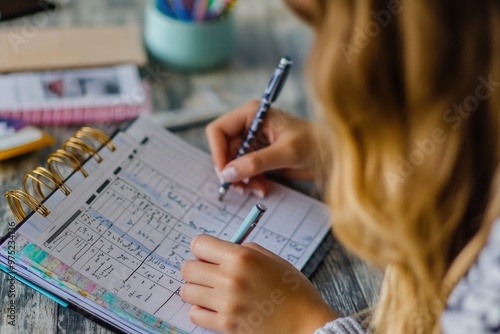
(278, 80)
(262, 209)
(247, 233)
(249, 223)
(276, 85)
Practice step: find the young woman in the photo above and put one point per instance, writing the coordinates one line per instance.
(408, 139)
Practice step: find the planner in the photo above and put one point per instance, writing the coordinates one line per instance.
(107, 224)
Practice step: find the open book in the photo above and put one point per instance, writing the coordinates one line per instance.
(110, 240)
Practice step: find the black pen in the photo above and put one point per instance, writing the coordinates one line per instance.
(270, 95)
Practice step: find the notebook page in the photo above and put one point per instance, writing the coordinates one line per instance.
(121, 236)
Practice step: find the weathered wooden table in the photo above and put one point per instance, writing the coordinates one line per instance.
(266, 30)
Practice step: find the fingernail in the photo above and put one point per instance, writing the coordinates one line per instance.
(239, 190)
(246, 180)
(181, 292)
(219, 176)
(259, 193)
(229, 174)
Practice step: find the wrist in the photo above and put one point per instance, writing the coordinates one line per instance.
(317, 319)
(321, 320)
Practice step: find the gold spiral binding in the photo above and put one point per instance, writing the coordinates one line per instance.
(15, 198)
(97, 135)
(43, 177)
(65, 158)
(74, 145)
(83, 142)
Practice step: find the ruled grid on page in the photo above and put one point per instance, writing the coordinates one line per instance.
(121, 236)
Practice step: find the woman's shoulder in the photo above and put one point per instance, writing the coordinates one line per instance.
(474, 305)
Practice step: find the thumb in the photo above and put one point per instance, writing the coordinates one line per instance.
(254, 163)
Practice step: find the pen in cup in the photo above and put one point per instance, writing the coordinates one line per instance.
(270, 95)
(249, 223)
(195, 10)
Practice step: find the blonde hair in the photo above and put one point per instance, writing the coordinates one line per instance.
(412, 128)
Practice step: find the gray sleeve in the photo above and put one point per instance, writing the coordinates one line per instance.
(342, 326)
(474, 305)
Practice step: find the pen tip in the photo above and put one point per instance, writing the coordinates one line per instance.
(222, 192)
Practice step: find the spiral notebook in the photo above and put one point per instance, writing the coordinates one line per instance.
(110, 222)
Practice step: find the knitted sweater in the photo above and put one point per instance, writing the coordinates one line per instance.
(473, 306)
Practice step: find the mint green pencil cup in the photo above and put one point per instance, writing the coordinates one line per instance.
(192, 46)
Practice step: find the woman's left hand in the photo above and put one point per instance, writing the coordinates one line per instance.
(246, 289)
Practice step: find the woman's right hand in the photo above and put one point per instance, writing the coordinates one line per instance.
(284, 143)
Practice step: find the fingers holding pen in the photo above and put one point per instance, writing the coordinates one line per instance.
(257, 185)
(199, 272)
(212, 250)
(255, 163)
(200, 295)
(283, 143)
(226, 133)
